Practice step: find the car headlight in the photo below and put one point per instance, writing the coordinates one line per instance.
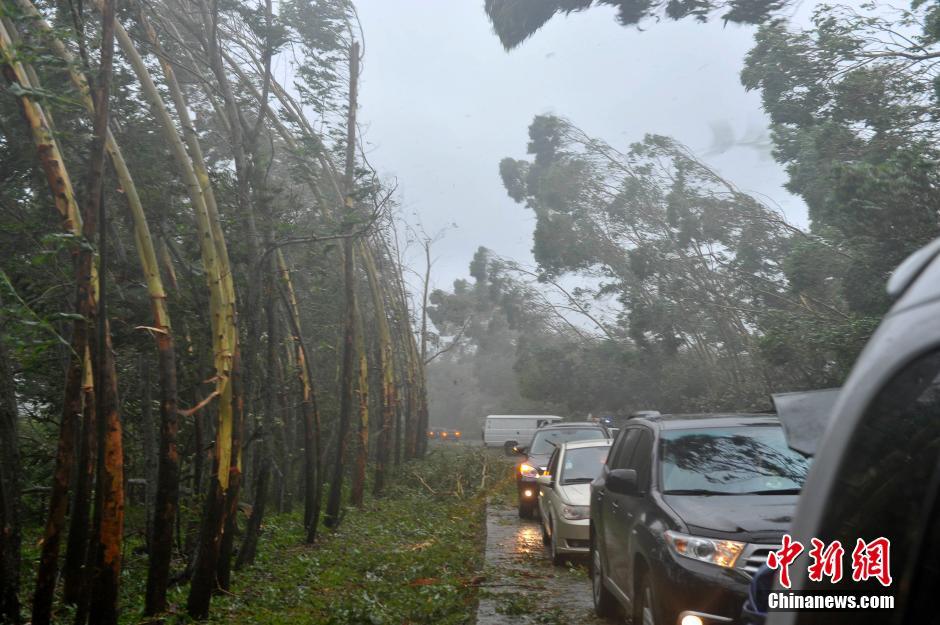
(576, 513)
(527, 470)
(721, 552)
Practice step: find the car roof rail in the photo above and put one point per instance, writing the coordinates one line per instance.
(642, 414)
(902, 277)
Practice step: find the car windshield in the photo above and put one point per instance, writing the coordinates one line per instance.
(582, 464)
(545, 441)
(730, 461)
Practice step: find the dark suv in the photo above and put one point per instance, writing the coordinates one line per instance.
(540, 449)
(686, 509)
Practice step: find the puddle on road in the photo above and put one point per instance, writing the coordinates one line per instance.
(522, 585)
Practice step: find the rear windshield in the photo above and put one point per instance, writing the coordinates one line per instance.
(544, 442)
(730, 461)
(583, 465)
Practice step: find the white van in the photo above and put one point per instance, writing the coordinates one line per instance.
(507, 430)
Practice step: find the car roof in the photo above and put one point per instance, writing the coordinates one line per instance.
(522, 416)
(707, 420)
(572, 424)
(599, 442)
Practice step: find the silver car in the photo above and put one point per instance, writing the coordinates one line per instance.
(565, 496)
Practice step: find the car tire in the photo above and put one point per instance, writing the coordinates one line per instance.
(545, 538)
(645, 612)
(605, 604)
(508, 448)
(525, 510)
(557, 558)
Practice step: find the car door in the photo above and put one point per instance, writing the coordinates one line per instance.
(634, 509)
(612, 511)
(547, 494)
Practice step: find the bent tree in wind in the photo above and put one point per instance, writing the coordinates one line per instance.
(516, 20)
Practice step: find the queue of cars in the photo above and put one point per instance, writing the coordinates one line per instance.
(674, 514)
(685, 509)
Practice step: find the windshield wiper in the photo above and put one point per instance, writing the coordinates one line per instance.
(577, 480)
(778, 491)
(694, 491)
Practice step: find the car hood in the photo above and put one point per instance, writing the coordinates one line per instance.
(576, 494)
(751, 518)
(538, 460)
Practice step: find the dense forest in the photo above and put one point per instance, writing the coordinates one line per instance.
(658, 283)
(206, 319)
(203, 304)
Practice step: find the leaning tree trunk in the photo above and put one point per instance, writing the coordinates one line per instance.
(385, 355)
(334, 500)
(357, 488)
(53, 165)
(10, 534)
(105, 549)
(222, 313)
(308, 405)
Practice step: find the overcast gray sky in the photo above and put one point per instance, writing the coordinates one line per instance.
(442, 103)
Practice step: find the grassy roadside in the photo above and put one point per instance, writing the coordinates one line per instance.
(410, 557)
(413, 556)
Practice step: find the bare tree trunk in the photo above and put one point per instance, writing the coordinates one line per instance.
(149, 440)
(74, 571)
(362, 430)
(53, 165)
(308, 406)
(246, 555)
(349, 276)
(10, 534)
(107, 542)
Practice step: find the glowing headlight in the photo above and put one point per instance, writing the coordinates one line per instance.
(576, 513)
(721, 552)
(527, 470)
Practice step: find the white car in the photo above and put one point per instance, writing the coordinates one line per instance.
(507, 431)
(565, 496)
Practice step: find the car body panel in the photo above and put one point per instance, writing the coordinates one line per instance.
(501, 429)
(629, 530)
(910, 330)
(572, 535)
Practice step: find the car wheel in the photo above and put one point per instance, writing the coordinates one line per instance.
(557, 558)
(525, 510)
(544, 530)
(508, 448)
(646, 604)
(605, 605)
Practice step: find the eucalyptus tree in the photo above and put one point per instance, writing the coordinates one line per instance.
(852, 102)
(695, 264)
(516, 20)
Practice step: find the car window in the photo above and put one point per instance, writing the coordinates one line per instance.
(642, 457)
(737, 460)
(625, 449)
(583, 464)
(543, 442)
(884, 486)
(553, 463)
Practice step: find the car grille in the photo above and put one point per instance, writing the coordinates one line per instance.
(755, 557)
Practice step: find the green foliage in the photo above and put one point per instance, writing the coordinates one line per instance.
(409, 557)
(853, 121)
(516, 20)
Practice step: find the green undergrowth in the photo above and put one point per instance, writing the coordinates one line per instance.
(413, 556)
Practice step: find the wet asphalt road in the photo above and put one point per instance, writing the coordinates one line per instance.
(522, 585)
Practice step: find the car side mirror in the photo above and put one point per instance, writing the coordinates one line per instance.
(622, 482)
(546, 480)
